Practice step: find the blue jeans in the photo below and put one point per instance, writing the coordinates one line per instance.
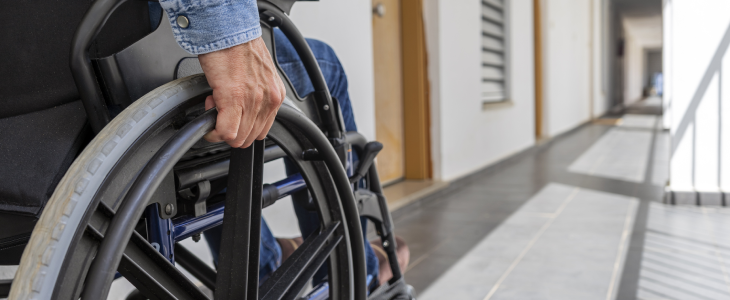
(334, 74)
(269, 250)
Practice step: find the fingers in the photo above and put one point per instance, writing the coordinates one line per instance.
(275, 101)
(261, 126)
(257, 129)
(209, 103)
(261, 118)
(248, 120)
(247, 91)
(227, 124)
(267, 127)
(240, 126)
(274, 107)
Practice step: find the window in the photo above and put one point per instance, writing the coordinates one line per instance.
(494, 50)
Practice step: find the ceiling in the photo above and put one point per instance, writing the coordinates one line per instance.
(646, 30)
(642, 20)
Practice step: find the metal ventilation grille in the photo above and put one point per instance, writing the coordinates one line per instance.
(493, 51)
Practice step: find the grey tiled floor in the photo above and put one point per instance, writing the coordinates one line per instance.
(561, 244)
(442, 231)
(629, 164)
(686, 253)
(577, 218)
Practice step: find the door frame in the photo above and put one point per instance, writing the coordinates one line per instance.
(416, 97)
(537, 31)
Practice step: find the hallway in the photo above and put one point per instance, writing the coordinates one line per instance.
(578, 217)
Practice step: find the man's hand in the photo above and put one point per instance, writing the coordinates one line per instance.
(247, 91)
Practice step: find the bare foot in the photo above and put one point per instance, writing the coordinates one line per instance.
(288, 246)
(401, 252)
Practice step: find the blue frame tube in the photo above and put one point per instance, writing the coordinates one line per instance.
(188, 226)
(160, 232)
(290, 185)
(185, 227)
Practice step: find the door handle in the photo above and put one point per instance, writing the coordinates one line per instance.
(379, 10)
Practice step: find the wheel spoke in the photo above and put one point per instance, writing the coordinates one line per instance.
(195, 266)
(298, 265)
(239, 252)
(148, 270)
(311, 269)
(256, 207)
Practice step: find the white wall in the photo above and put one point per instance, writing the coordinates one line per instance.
(641, 34)
(567, 61)
(599, 57)
(346, 25)
(697, 65)
(667, 51)
(466, 136)
(432, 24)
(634, 70)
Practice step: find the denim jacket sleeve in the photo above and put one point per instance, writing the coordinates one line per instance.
(212, 24)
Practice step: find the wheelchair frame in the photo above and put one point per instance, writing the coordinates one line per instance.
(101, 80)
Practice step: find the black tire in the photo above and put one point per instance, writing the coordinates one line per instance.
(63, 244)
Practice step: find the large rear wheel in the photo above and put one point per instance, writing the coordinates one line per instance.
(56, 263)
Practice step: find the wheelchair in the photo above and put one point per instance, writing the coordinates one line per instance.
(135, 178)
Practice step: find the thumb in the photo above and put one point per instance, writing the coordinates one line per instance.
(209, 103)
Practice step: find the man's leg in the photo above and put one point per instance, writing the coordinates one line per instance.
(331, 68)
(336, 80)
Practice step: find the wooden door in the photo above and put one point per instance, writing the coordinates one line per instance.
(388, 88)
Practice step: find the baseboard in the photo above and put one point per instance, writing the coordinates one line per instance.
(704, 198)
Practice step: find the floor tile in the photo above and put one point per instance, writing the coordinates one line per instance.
(561, 235)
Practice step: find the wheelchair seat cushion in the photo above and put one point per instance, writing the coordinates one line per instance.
(35, 151)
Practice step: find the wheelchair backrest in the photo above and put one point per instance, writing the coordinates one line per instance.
(36, 42)
(157, 59)
(128, 59)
